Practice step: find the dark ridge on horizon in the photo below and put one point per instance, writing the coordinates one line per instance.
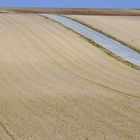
(76, 11)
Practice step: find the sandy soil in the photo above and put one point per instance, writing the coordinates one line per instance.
(123, 28)
(56, 86)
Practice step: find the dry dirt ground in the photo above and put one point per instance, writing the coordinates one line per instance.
(124, 28)
(54, 85)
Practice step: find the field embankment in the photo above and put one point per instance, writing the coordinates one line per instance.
(123, 28)
(55, 85)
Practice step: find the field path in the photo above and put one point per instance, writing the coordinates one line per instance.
(4, 134)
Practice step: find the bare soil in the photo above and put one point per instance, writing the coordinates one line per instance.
(55, 85)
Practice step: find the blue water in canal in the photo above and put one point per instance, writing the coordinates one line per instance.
(113, 46)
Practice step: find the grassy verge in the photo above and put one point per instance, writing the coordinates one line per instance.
(100, 47)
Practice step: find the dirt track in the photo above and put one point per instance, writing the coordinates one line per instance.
(55, 85)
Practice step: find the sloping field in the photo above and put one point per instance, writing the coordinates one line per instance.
(56, 86)
(123, 28)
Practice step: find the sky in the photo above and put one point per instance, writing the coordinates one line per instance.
(72, 3)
